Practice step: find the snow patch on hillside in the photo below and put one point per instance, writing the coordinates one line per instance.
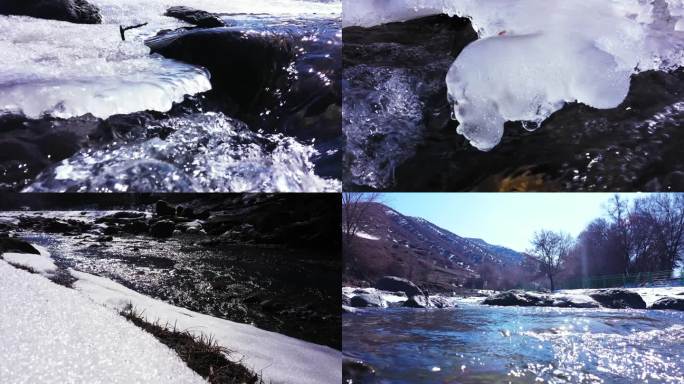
(366, 236)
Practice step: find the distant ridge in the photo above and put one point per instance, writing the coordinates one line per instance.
(390, 243)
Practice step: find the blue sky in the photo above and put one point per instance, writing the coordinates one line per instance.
(507, 219)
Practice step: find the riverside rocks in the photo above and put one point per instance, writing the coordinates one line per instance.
(618, 298)
(242, 66)
(365, 300)
(162, 208)
(518, 298)
(195, 17)
(674, 303)
(75, 11)
(397, 284)
(10, 244)
(609, 298)
(162, 228)
(417, 302)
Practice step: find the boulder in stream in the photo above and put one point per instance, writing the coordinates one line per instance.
(398, 284)
(75, 11)
(618, 298)
(674, 303)
(10, 244)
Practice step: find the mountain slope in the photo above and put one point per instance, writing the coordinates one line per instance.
(389, 243)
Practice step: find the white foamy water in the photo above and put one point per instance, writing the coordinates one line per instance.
(65, 70)
(533, 56)
(205, 153)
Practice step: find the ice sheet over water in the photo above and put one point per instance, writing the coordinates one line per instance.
(534, 56)
(65, 70)
(206, 153)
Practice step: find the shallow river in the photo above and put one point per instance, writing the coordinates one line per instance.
(482, 344)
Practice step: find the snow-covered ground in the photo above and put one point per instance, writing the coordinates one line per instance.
(42, 263)
(278, 358)
(74, 335)
(53, 334)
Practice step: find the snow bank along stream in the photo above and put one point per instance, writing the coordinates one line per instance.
(50, 332)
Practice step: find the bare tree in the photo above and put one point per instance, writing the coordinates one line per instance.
(665, 215)
(354, 208)
(619, 213)
(551, 249)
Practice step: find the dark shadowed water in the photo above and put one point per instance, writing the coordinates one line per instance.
(482, 344)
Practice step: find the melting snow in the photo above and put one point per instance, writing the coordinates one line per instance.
(38, 263)
(278, 358)
(52, 334)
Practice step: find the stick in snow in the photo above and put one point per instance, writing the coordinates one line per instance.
(123, 30)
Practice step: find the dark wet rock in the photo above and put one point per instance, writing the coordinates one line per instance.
(356, 371)
(111, 230)
(517, 298)
(618, 298)
(28, 146)
(54, 225)
(674, 303)
(417, 302)
(366, 300)
(75, 11)
(195, 17)
(398, 284)
(10, 244)
(162, 208)
(187, 212)
(243, 66)
(104, 239)
(346, 300)
(136, 227)
(162, 228)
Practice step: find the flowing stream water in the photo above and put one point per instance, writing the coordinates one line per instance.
(482, 344)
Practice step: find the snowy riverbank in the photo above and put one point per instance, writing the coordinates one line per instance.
(77, 334)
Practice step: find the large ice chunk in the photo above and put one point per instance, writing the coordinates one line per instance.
(535, 56)
(65, 70)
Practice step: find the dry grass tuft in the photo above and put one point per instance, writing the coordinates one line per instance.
(201, 353)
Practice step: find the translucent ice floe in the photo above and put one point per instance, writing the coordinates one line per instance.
(206, 152)
(534, 56)
(65, 70)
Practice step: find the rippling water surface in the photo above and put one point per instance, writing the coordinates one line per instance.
(481, 344)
